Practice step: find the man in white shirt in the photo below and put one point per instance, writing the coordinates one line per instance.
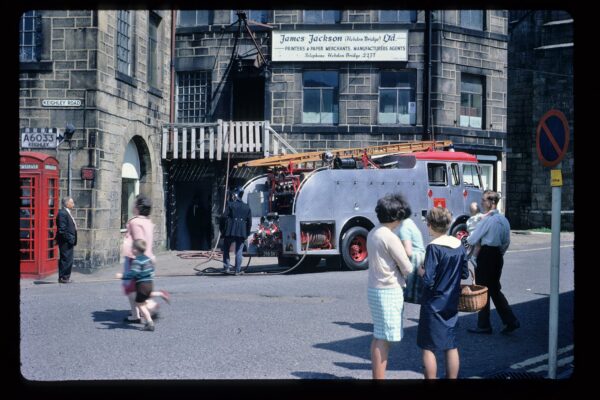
(493, 235)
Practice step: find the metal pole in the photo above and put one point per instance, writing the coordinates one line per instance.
(427, 134)
(69, 171)
(554, 278)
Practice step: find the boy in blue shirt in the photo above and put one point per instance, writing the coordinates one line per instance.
(142, 270)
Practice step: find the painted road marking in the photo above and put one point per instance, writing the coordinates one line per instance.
(535, 360)
(540, 248)
(559, 363)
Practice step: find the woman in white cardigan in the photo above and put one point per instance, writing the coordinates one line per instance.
(388, 267)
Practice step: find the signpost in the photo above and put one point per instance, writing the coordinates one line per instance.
(552, 141)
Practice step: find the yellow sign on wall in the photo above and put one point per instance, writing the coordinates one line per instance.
(555, 177)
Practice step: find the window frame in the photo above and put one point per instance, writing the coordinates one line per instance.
(249, 15)
(210, 16)
(128, 45)
(465, 119)
(337, 17)
(472, 167)
(154, 68)
(205, 78)
(469, 24)
(335, 94)
(36, 36)
(412, 17)
(438, 166)
(455, 174)
(410, 87)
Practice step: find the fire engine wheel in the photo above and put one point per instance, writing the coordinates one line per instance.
(460, 232)
(354, 248)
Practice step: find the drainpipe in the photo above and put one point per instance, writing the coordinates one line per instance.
(172, 91)
(167, 175)
(427, 132)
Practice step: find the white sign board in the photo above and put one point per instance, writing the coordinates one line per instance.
(61, 103)
(38, 140)
(340, 45)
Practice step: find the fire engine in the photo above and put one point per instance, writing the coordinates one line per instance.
(322, 205)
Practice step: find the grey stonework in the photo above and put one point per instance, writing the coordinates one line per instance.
(80, 45)
(539, 80)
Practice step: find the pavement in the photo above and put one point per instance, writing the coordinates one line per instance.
(168, 264)
(182, 263)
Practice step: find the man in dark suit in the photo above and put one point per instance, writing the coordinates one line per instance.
(235, 226)
(66, 239)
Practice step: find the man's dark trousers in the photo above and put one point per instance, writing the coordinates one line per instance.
(65, 262)
(488, 273)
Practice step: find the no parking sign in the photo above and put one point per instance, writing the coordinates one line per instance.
(552, 138)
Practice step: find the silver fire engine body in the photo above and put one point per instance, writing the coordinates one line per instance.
(330, 201)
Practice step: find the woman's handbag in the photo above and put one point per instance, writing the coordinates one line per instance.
(414, 282)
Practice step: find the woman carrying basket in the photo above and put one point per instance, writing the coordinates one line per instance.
(445, 264)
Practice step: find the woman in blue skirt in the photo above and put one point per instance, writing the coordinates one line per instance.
(445, 265)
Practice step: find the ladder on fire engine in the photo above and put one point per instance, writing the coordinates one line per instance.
(357, 152)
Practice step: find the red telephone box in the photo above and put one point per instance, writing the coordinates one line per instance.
(38, 180)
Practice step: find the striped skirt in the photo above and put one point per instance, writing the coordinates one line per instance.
(387, 306)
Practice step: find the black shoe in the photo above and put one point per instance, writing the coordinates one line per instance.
(131, 321)
(510, 327)
(486, 331)
(66, 280)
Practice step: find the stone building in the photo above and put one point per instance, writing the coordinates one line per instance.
(107, 74)
(326, 79)
(540, 72)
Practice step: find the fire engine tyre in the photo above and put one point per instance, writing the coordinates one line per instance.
(354, 249)
(460, 232)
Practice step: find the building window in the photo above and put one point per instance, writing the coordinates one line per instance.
(320, 103)
(195, 18)
(322, 16)
(471, 101)
(153, 60)
(261, 16)
(30, 30)
(397, 98)
(130, 182)
(471, 19)
(405, 16)
(124, 54)
(193, 96)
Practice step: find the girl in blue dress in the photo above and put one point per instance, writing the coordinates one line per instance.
(445, 264)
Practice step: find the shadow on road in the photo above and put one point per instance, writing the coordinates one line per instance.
(113, 319)
(318, 375)
(480, 355)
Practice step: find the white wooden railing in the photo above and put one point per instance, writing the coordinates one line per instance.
(212, 140)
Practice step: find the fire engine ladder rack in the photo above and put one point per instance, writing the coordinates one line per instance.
(357, 152)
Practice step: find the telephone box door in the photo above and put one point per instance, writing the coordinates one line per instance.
(37, 214)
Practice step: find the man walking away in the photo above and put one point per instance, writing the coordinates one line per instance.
(236, 223)
(493, 235)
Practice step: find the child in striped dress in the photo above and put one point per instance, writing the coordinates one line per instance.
(142, 270)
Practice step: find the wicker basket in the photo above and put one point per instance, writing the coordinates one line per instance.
(472, 297)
